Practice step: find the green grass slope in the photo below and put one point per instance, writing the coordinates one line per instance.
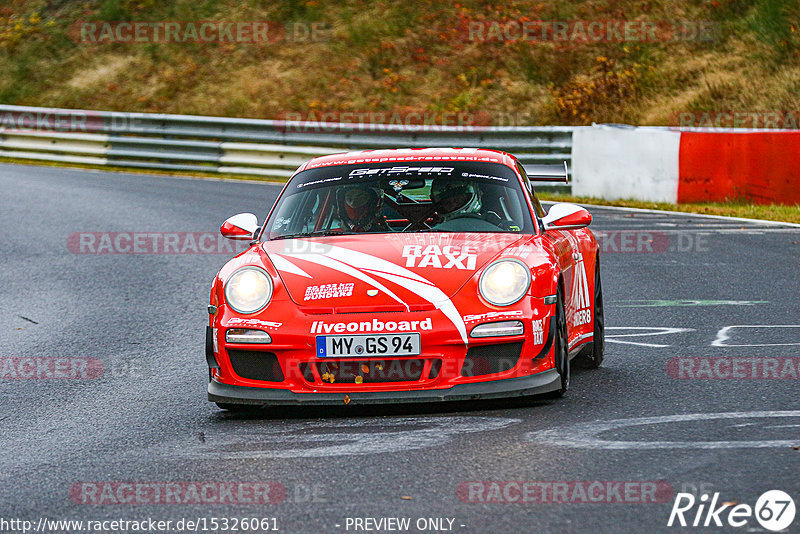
(410, 57)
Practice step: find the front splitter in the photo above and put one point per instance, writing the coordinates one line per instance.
(539, 383)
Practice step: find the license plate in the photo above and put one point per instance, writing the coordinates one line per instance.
(360, 346)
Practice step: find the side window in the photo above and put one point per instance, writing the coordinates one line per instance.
(286, 221)
(297, 214)
(534, 199)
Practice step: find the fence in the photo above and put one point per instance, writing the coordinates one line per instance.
(271, 148)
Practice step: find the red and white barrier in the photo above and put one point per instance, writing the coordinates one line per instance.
(760, 167)
(668, 165)
(617, 162)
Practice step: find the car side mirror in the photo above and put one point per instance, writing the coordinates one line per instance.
(241, 227)
(566, 217)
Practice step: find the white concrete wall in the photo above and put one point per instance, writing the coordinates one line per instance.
(618, 163)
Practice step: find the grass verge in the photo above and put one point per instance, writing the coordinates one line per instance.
(766, 212)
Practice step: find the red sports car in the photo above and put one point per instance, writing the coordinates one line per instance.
(408, 275)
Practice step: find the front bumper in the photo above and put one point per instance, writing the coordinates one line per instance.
(287, 371)
(535, 384)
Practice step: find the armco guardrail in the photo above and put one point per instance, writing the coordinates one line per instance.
(241, 146)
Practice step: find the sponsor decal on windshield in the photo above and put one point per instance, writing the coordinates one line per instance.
(483, 176)
(315, 182)
(402, 170)
(487, 158)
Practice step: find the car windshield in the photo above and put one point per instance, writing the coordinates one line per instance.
(442, 196)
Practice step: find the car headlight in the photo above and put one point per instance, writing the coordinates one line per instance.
(505, 282)
(248, 290)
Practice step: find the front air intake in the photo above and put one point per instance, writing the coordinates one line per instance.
(491, 359)
(256, 365)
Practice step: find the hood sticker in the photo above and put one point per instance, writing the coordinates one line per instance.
(361, 265)
(447, 257)
(329, 291)
(580, 302)
(373, 325)
(336, 265)
(238, 321)
(493, 315)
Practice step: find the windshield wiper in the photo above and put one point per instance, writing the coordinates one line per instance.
(318, 233)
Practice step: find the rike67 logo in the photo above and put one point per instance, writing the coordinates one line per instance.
(774, 511)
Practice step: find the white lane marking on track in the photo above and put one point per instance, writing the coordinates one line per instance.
(676, 303)
(339, 438)
(696, 215)
(656, 331)
(700, 230)
(724, 335)
(586, 435)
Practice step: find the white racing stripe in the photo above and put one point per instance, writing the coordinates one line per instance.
(282, 264)
(337, 265)
(435, 296)
(356, 264)
(373, 263)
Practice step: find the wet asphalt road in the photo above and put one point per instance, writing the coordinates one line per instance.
(708, 289)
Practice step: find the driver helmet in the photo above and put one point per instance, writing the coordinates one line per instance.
(361, 205)
(454, 199)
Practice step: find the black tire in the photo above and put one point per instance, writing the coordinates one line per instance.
(561, 347)
(593, 355)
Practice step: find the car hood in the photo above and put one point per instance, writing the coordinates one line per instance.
(383, 272)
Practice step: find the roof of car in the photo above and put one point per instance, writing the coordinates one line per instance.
(411, 154)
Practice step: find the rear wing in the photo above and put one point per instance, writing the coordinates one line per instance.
(548, 172)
